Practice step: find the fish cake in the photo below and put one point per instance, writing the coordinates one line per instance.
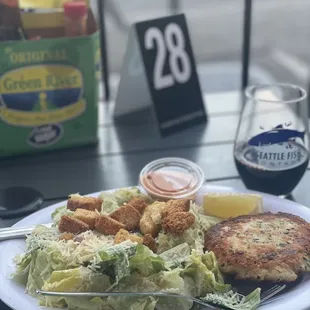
(263, 247)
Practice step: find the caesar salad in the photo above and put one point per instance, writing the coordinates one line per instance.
(125, 241)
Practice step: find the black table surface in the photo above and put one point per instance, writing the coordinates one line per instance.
(126, 146)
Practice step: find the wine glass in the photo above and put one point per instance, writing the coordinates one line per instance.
(271, 149)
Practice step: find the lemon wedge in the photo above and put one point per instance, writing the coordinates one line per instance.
(225, 206)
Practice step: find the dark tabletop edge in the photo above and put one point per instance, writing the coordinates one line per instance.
(62, 198)
(80, 157)
(32, 157)
(213, 115)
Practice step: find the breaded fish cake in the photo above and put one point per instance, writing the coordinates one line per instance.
(272, 247)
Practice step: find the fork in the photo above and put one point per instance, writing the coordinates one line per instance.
(17, 232)
(274, 290)
(264, 296)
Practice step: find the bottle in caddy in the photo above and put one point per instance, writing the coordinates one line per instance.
(75, 18)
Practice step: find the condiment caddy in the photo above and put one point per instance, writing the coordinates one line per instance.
(49, 73)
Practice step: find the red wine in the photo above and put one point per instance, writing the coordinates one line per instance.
(273, 169)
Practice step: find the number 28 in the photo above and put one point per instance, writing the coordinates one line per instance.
(172, 40)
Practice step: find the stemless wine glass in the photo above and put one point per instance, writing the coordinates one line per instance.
(272, 142)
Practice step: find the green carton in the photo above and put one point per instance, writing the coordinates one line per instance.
(48, 94)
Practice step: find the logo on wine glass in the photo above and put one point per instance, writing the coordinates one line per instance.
(278, 134)
(277, 148)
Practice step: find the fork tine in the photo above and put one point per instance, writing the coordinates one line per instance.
(271, 292)
(274, 289)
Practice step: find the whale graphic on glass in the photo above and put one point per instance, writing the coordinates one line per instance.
(277, 135)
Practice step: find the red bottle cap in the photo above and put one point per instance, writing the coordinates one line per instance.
(76, 9)
(11, 3)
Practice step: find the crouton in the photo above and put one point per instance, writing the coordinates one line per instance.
(147, 226)
(138, 203)
(150, 222)
(156, 210)
(127, 215)
(66, 236)
(72, 225)
(124, 235)
(150, 242)
(107, 225)
(176, 205)
(87, 203)
(88, 217)
(177, 223)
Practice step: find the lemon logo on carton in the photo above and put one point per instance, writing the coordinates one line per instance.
(41, 94)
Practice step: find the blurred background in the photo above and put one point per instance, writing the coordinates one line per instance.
(279, 41)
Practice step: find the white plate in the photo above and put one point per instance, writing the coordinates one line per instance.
(14, 296)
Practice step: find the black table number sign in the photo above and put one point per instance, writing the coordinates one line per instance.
(159, 70)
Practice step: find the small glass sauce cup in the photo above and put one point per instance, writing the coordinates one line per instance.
(171, 178)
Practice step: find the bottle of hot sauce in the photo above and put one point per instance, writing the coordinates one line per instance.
(75, 18)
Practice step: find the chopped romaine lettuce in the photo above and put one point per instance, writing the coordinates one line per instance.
(115, 260)
(74, 303)
(194, 237)
(113, 200)
(132, 303)
(68, 280)
(112, 252)
(22, 267)
(146, 262)
(121, 195)
(206, 274)
(59, 212)
(207, 222)
(176, 256)
(173, 282)
(204, 222)
(79, 279)
(52, 302)
(71, 253)
(235, 301)
(96, 303)
(109, 205)
(134, 283)
(40, 270)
